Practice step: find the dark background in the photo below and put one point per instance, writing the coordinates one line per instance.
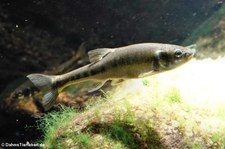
(36, 35)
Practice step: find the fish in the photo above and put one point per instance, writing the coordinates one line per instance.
(27, 88)
(116, 64)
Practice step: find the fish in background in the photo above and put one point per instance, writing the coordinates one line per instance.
(27, 88)
(116, 64)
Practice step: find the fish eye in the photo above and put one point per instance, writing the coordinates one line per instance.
(178, 53)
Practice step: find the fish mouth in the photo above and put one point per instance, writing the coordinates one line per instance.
(189, 55)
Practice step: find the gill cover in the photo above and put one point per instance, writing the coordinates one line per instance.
(163, 58)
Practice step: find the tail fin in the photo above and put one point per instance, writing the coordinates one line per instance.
(44, 83)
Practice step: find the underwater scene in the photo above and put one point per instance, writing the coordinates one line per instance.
(112, 74)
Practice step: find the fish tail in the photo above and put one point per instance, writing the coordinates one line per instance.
(45, 84)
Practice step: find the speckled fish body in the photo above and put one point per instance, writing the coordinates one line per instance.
(129, 62)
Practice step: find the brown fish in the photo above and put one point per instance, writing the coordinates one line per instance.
(129, 62)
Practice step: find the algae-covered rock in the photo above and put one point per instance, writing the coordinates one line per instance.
(209, 36)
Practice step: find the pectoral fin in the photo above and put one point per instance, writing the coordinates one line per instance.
(100, 85)
(116, 82)
(146, 74)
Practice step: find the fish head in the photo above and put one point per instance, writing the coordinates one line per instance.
(172, 56)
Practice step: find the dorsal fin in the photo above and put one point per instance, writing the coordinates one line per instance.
(97, 54)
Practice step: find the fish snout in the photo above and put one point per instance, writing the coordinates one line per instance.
(189, 55)
(191, 51)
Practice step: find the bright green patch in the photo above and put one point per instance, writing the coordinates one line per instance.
(196, 146)
(145, 82)
(128, 117)
(174, 96)
(121, 134)
(84, 140)
(53, 121)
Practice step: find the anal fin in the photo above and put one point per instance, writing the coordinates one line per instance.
(146, 74)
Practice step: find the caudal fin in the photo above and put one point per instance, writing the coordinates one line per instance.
(44, 83)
